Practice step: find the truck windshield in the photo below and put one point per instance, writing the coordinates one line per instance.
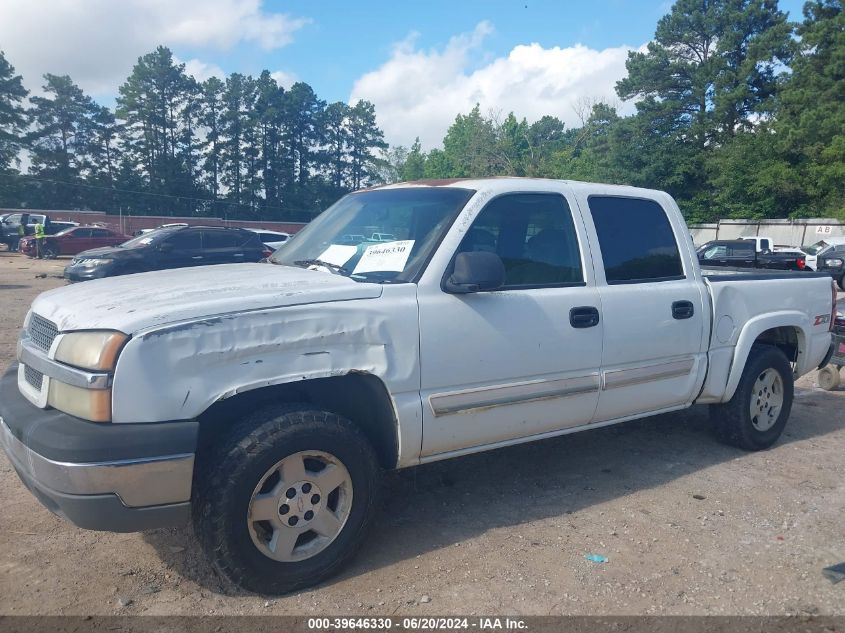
(815, 248)
(384, 235)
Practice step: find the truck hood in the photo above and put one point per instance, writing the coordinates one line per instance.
(137, 302)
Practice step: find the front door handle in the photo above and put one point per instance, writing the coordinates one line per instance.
(583, 317)
(682, 309)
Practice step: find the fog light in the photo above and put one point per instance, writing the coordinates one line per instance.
(88, 404)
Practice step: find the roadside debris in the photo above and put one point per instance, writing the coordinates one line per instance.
(596, 558)
(699, 497)
(834, 573)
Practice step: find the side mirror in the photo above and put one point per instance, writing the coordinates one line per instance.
(476, 271)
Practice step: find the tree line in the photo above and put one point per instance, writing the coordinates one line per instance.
(244, 147)
(739, 113)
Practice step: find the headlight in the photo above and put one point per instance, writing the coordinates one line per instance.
(833, 263)
(88, 404)
(91, 262)
(96, 351)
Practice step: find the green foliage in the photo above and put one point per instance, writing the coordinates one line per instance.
(13, 122)
(240, 147)
(721, 122)
(811, 120)
(67, 128)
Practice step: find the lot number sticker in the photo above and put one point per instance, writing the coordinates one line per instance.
(387, 257)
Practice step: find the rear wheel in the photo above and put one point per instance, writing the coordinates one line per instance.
(842, 282)
(757, 413)
(50, 252)
(829, 377)
(286, 501)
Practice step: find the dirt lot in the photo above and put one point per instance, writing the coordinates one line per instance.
(689, 526)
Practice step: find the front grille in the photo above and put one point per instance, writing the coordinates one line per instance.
(42, 332)
(33, 376)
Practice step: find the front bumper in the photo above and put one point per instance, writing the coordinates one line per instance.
(836, 273)
(75, 272)
(99, 476)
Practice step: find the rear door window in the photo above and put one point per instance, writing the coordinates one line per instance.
(636, 240)
(221, 239)
(741, 250)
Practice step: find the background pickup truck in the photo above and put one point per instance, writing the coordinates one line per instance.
(262, 401)
(742, 254)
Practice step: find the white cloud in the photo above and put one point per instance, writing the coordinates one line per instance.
(284, 79)
(97, 42)
(201, 70)
(419, 93)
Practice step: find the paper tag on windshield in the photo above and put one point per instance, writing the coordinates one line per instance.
(338, 254)
(385, 257)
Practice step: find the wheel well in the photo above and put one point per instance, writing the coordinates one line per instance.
(357, 396)
(785, 338)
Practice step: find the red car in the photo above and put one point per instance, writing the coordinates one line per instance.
(72, 241)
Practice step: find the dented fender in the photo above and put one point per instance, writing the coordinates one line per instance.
(177, 371)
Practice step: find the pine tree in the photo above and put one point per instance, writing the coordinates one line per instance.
(13, 123)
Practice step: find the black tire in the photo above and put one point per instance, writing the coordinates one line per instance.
(231, 473)
(842, 282)
(50, 252)
(733, 420)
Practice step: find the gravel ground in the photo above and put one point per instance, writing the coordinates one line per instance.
(689, 526)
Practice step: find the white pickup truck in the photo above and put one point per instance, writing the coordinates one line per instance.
(263, 400)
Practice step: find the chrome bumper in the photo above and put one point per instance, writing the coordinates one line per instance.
(141, 482)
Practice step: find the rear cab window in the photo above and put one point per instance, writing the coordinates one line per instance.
(741, 250)
(636, 240)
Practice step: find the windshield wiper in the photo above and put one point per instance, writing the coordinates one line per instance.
(340, 270)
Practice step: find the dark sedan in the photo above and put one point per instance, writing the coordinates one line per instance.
(166, 248)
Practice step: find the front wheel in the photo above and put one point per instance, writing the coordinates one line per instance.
(842, 282)
(756, 415)
(50, 252)
(286, 501)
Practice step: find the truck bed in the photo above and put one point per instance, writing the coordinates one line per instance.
(721, 273)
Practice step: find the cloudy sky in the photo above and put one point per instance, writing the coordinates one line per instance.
(420, 62)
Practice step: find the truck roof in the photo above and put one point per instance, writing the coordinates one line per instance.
(513, 184)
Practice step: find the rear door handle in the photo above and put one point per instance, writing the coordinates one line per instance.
(584, 317)
(197, 257)
(682, 309)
